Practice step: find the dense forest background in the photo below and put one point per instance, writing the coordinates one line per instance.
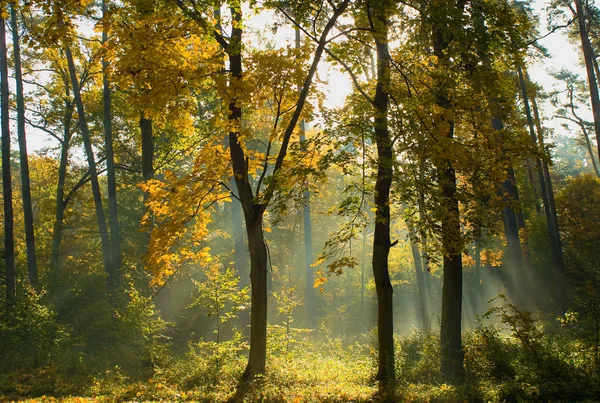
(205, 226)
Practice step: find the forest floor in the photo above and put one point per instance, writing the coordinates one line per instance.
(498, 369)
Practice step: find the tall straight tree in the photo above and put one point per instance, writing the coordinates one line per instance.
(445, 17)
(113, 215)
(253, 203)
(9, 240)
(547, 198)
(377, 12)
(311, 306)
(93, 170)
(32, 268)
(547, 195)
(588, 57)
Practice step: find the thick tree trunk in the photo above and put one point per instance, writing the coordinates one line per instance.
(589, 67)
(85, 135)
(383, 182)
(9, 241)
(113, 216)
(60, 191)
(551, 217)
(258, 278)
(32, 268)
(450, 332)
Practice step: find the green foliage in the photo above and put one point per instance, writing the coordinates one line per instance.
(220, 296)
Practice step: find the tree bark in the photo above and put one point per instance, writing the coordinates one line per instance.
(85, 135)
(450, 332)
(60, 189)
(255, 207)
(9, 241)
(383, 182)
(551, 217)
(418, 262)
(560, 262)
(589, 67)
(113, 215)
(311, 306)
(32, 268)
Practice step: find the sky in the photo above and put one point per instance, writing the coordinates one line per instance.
(563, 55)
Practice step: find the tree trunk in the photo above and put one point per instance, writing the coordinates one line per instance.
(9, 241)
(60, 190)
(258, 278)
(551, 219)
(85, 135)
(311, 307)
(418, 262)
(450, 332)
(511, 230)
(589, 67)
(479, 303)
(32, 268)
(113, 216)
(383, 182)
(560, 263)
(147, 149)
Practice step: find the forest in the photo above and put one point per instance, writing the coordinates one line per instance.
(299, 201)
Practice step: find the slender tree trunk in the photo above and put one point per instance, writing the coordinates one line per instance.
(551, 218)
(32, 268)
(560, 263)
(381, 238)
(478, 283)
(511, 230)
(60, 190)
(164, 296)
(590, 151)
(9, 241)
(363, 266)
(510, 218)
(589, 67)
(311, 307)
(147, 150)
(418, 262)
(85, 135)
(113, 216)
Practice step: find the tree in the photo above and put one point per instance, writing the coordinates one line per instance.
(253, 203)
(567, 109)
(9, 241)
(443, 16)
(32, 268)
(378, 19)
(115, 236)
